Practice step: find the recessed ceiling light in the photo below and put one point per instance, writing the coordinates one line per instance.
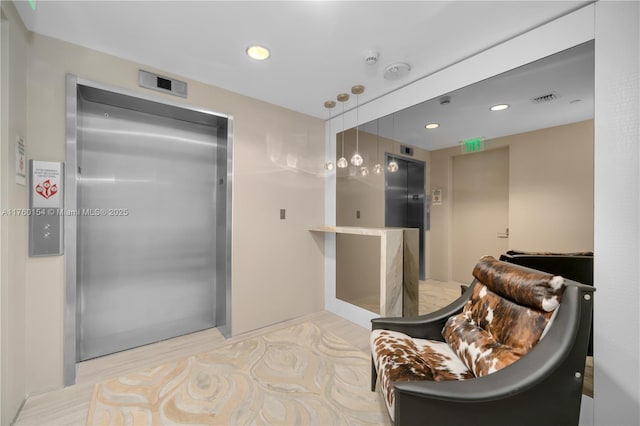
(499, 107)
(432, 126)
(259, 53)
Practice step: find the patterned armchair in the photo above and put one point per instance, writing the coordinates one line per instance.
(511, 350)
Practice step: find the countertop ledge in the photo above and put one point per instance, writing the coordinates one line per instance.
(356, 230)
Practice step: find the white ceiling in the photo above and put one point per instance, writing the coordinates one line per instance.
(569, 75)
(317, 46)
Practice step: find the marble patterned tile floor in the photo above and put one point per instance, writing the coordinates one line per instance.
(300, 375)
(70, 406)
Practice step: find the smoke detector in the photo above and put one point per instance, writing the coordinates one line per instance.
(371, 57)
(396, 71)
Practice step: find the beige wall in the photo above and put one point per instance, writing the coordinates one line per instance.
(550, 192)
(277, 270)
(551, 189)
(366, 194)
(13, 229)
(480, 209)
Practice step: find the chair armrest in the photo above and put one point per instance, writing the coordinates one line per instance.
(428, 326)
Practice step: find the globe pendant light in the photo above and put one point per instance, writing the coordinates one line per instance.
(342, 161)
(357, 159)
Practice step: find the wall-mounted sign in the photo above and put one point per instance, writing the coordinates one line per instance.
(21, 162)
(46, 213)
(46, 187)
(436, 197)
(472, 145)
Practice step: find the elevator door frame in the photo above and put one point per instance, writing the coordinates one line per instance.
(424, 215)
(161, 106)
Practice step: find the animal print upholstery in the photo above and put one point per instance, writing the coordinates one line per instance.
(398, 357)
(506, 315)
(533, 289)
(476, 347)
(509, 323)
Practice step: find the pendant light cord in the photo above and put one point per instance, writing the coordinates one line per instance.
(357, 124)
(378, 141)
(343, 129)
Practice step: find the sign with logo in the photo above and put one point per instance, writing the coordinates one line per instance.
(46, 191)
(46, 207)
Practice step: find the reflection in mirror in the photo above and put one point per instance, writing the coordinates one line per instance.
(517, 178)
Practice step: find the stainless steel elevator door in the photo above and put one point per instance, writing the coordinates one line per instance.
(146, 241)
(404, 199)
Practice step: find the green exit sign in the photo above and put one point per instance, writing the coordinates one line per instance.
(472, 145)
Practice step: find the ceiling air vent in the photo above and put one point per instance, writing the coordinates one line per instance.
(545, 98)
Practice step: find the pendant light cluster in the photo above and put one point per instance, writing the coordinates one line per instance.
(356, 160)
